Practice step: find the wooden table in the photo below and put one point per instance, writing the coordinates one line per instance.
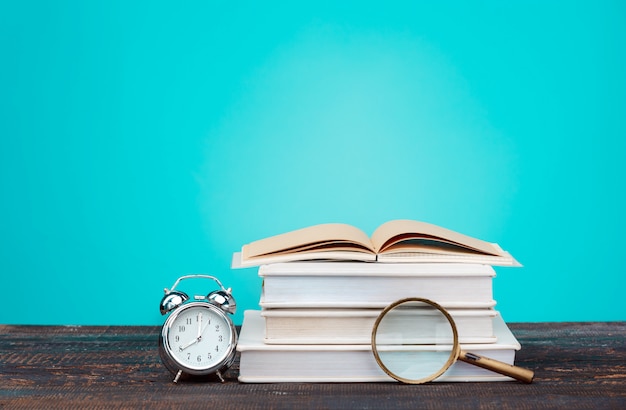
(577, 365)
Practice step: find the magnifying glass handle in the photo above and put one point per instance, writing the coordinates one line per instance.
(516, 372)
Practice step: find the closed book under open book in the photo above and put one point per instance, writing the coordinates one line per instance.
(269, 363)
(374, 285)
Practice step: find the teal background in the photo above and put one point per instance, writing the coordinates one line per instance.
(144, 140)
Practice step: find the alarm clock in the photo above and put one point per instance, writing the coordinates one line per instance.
(198, 337)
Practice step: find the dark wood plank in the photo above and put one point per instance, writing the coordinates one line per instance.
(577, 365)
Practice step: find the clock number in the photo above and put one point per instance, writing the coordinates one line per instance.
(181, 328)
(220, 338)
(177, 338)
(188, 356)
(217, 348)
(217, 328)
(209, 356)
(199, 358)
(188, 322)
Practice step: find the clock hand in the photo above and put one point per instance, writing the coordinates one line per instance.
(202, 331)
(195, 340)
(199, 325)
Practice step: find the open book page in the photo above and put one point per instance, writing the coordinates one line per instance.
(311, 239)
(457, 257)
(400, 233)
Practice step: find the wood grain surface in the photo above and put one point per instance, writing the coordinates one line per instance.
(577, 365)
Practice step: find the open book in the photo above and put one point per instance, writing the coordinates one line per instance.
(401, 241)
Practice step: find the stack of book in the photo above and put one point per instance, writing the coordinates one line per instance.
(324, 286)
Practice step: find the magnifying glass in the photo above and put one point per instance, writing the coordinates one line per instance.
(415, 340)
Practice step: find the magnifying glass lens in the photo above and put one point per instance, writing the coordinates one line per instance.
(414, 341)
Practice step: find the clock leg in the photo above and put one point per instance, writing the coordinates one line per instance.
(180, 372)
(220, 376)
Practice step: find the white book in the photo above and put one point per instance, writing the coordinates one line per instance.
(269, 363)
(354, 326)
(374, 285)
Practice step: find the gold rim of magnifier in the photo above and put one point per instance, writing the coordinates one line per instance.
(453, 353)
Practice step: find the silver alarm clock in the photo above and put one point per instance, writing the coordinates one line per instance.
(198, 337)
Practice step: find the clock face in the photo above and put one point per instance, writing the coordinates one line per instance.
(199, 337)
